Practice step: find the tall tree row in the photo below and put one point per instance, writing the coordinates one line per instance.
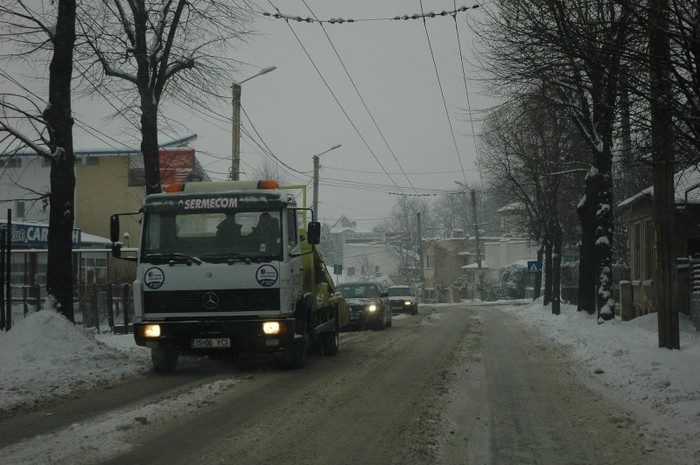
(529, 150)
(572, 49)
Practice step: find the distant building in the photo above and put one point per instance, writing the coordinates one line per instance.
(363, 254)
(108, 180)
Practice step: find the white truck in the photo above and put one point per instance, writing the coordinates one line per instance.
(228, 268)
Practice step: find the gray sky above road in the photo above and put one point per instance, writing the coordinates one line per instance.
(294, 114)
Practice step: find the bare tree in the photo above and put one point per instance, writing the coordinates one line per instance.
(143, 49)
(575, 48)
(41, 30)
(528, 150)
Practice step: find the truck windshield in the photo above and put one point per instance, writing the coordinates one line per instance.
(213, 236)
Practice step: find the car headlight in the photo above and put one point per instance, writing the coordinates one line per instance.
(407, 303)
(372, 307)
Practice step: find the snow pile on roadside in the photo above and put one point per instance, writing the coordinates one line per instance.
(105, 437)
(45, 355)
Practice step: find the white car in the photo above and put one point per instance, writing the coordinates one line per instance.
(402, 299)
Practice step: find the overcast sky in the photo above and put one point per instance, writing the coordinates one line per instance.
(296, 115)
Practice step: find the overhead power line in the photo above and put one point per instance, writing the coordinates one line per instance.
(405, 17)
(364, 104)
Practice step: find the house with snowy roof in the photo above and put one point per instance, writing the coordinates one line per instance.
(636, 294)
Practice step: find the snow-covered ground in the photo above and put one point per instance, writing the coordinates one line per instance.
(622, 361)
(45, 356)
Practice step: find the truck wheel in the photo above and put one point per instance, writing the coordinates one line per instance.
(330, 343)
(390, 322)
(164, 359)
(381, 324)
(295, 356)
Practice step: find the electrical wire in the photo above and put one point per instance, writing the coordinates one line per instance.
(466, 89)
(359, 95)
(404, 17)
(442, 93)
(347, 116)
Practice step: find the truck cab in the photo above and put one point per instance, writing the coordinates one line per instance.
(228, 268)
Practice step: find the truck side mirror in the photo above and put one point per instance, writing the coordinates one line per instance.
(114, 228)
(313, 232)
(114, 236)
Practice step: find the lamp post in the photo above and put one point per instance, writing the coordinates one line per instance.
(479, 283)
(316, 166)
(236, 122)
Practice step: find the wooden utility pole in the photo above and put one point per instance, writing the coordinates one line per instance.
(419, 227)
(665, 300)
(479, 273)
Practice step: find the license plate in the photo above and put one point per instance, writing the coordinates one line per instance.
(211, 343)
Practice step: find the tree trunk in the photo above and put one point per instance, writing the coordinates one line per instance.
(662, 151)
(537, 291)
(547, 268)
(149, 145)
(605, 224)
(149, 100)
(587, 261)
(59, 119)
(556, 268)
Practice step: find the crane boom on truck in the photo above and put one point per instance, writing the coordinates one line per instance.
(227, 267)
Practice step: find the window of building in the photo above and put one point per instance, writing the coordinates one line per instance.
(636, 252)
(430, 261)
(92, 160)
(137, 177)
(649, 249)
(350, 270)
(10, 162)
(20, 208)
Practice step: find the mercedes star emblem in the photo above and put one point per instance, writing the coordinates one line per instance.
(210, 301)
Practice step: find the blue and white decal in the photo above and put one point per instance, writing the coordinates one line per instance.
(154, 278)
(266, 275)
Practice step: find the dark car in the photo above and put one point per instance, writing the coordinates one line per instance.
(402, 299)
(368, 304)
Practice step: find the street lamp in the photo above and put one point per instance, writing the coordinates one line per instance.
(479, 279)
(236, 122)
(315, 158)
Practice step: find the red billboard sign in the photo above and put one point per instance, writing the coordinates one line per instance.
(175, 165)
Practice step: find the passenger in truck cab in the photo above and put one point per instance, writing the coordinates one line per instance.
(266, 234)
(228, 232)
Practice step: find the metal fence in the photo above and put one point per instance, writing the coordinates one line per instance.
(104, 307)
(694, 290)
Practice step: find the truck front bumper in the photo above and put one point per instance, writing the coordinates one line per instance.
(237, 336)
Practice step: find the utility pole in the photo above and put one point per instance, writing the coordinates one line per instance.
(315, 184)
(236, 123)
(236, 131)
(419, 227)
(315, 181)
(665, 281)
(479, 274)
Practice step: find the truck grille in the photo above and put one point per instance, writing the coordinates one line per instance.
(244, 300)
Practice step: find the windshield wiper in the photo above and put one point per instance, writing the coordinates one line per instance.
(174, 256)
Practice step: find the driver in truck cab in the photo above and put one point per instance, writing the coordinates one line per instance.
(266, 234)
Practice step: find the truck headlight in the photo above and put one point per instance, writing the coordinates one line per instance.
(151, 331)
(407, 303)
(372, 307)
(271, 327)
